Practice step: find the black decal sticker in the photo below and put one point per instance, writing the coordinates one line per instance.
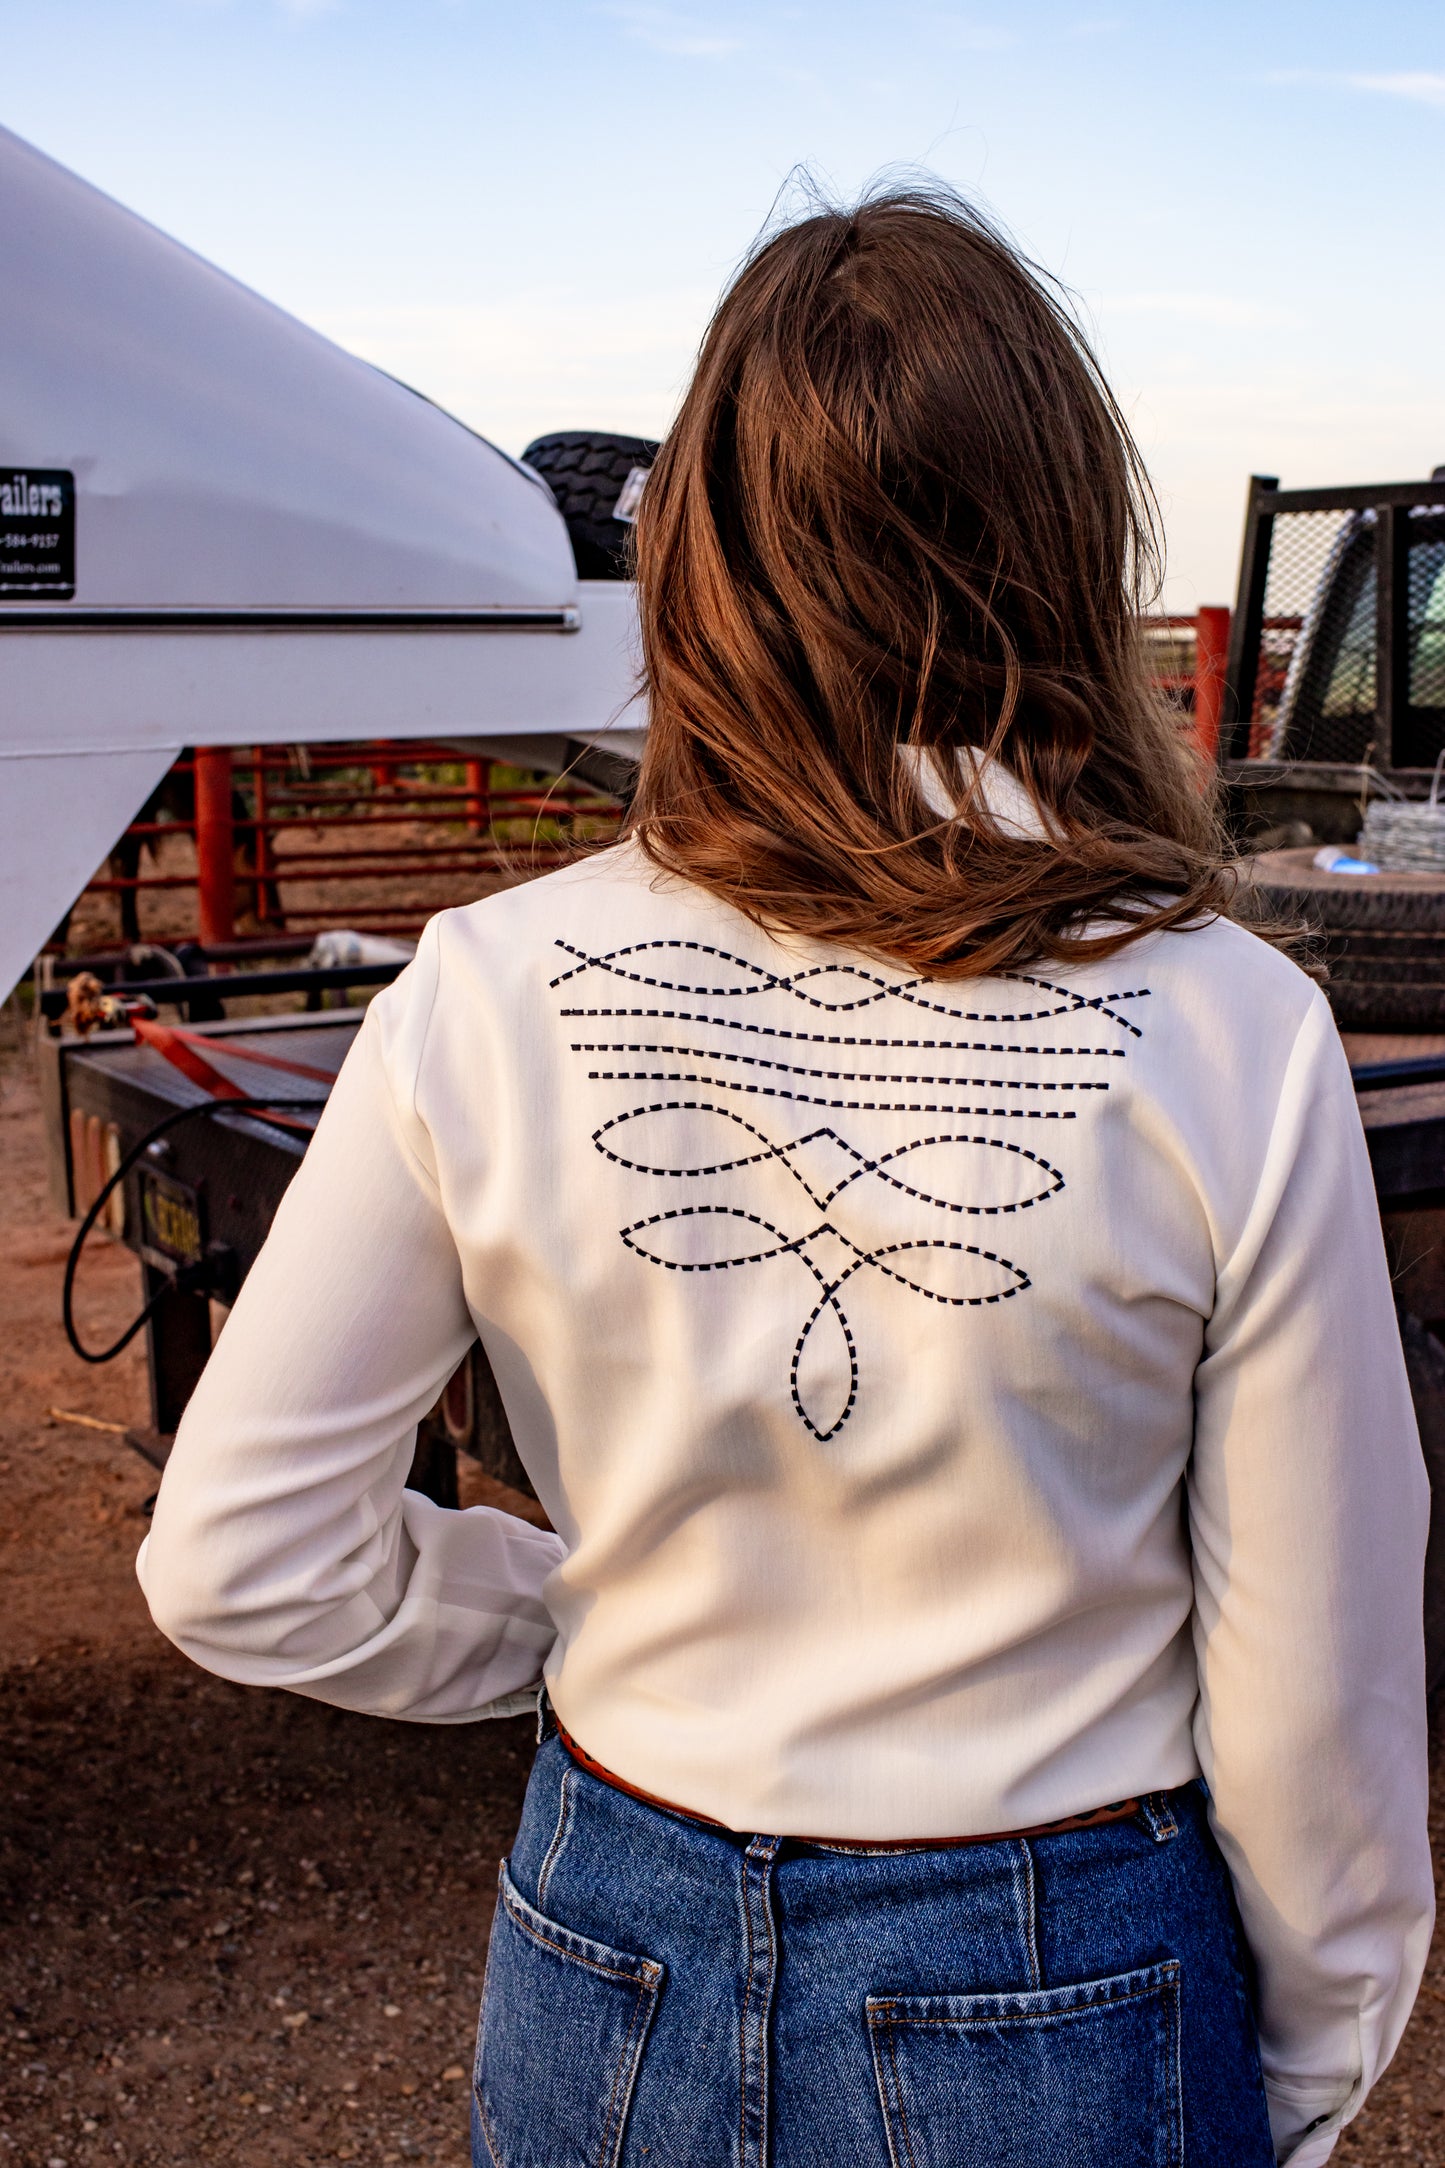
(37, 531)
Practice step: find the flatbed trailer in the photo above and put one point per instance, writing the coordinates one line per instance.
(198, 1202)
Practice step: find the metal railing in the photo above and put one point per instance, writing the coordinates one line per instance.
(294, 831)
(1189, 656)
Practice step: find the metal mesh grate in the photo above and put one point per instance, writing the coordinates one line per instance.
(1314, 692)
(1427, 620)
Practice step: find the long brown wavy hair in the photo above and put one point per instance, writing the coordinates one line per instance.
(900, 506)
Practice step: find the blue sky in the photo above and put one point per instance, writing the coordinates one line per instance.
(529, 212)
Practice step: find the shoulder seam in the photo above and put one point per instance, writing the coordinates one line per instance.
(1296, 1056)
(430, 932)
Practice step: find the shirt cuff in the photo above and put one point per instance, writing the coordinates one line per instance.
(1305, 2122)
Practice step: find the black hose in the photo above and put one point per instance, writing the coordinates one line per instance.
(187, 1275)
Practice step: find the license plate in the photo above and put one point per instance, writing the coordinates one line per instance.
(171, 1227)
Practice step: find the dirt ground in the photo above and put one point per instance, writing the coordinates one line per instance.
(236, 1927)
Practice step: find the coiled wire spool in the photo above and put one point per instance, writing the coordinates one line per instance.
(1405, 837)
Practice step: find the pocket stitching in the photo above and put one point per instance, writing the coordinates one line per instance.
(651, 1971)
(626, 2061)
(1022, 2017)
(485, 2126)
(883, 2015)
(476, 2067)
(884, 2008)
(1176, 2154)
(645, 1995)
(898, 2096)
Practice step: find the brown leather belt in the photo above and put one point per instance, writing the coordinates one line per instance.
(1122, 1810)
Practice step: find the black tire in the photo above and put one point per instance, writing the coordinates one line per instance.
(1385, 1005)
(1381, 937)
(1394, 902)
(586, 470)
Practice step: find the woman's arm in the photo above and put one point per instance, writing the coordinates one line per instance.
(1309, 1507)
(284, 1550)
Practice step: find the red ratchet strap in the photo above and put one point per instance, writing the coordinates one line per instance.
(188, 1051)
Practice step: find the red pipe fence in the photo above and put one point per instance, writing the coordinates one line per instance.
(273, 820)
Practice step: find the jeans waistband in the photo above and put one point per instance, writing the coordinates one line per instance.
(1154, 1810)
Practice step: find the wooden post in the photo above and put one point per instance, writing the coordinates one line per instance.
(215, 846)
(1211, 652)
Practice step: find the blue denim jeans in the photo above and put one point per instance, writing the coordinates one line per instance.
(667, 1995)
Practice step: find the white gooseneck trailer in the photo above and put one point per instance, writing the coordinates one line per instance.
(217, 527)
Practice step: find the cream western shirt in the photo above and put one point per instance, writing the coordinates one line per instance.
(959, 1403)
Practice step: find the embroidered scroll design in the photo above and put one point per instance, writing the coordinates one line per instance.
(706, 1135)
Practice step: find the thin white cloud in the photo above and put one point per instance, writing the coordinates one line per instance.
(1229, 310)
(665, 31)
(298, 10)
(1422, 86)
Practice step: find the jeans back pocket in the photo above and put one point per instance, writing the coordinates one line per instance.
(1085, 2076)
(562, 2027)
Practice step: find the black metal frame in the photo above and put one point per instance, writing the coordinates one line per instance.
(206, 991)
(1392, 503)
(237, 1165)
(565, 617)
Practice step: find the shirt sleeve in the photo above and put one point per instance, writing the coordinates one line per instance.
(285, 1550)
(1309, 1507)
